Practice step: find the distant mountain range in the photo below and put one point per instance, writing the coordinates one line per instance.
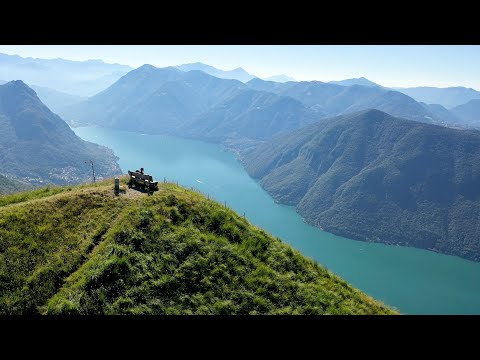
(87, 78)
(449, 97)
(82, 78)
(37, 146)
(374, 177)
(235, 74)
(194, 103)
(153, 100)
(329, 99)
(356, 81)
(191, 104)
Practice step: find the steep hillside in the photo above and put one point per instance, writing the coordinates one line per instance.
(442, 113)
(82, 250)
(373, 177)
(56, 100)
(53, 99)
(8, 186)
(392, 102)
(469, 113)
(38, 146)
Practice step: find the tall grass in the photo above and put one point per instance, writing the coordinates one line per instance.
(82, 250)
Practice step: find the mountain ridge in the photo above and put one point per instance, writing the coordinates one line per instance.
(251, 114)
(370, 176)
(469, 112)
(329, 99)
(38, 146)
(449, 97)
(239, 73)
(355, 81)
(156, 100)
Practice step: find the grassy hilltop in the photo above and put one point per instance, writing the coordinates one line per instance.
(81, 250)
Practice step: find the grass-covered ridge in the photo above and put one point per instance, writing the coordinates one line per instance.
(84, 251)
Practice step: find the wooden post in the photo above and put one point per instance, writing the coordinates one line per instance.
(225, 204)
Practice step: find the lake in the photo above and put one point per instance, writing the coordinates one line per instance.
(412, 280)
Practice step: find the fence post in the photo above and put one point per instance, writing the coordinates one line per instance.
(117, 186)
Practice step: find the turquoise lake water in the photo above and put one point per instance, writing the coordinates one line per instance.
(412, 280)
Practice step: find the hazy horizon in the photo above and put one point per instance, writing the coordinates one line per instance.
(387, 65)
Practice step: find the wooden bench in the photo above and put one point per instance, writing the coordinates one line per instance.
(142, 180)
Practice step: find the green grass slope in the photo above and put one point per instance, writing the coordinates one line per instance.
(81, 250)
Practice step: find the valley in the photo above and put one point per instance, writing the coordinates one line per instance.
(404, 277)
(376, 188)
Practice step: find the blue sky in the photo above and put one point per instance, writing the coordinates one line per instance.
(392, 65)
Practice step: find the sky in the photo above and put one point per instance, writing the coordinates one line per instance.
(387, 65)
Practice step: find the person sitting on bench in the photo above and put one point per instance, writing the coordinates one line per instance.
(143, 180)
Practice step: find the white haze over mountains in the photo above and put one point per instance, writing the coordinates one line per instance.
(80, 78)
(280, 78)
(448, 97)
